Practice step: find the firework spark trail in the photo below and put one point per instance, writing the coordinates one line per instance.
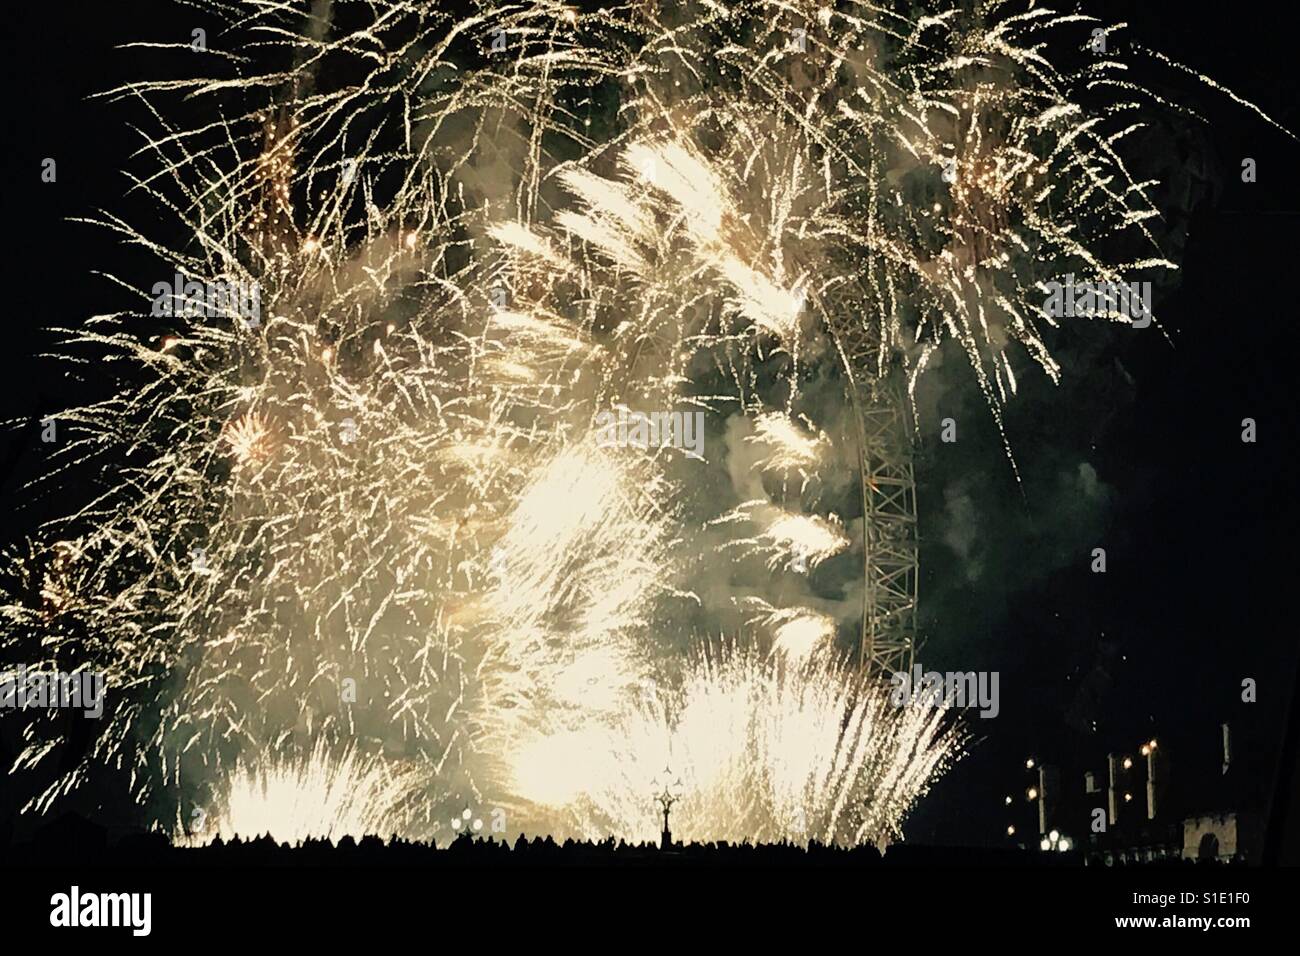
(789, 447)
(792, 541)
(570, 598)
(763, 753)
(319, 795)
(470, 235)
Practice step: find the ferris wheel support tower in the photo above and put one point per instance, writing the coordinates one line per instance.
(890, 561)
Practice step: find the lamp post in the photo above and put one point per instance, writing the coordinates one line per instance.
(670, 795)
(1057, 841)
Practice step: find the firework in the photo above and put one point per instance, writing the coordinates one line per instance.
(763, 751)
(317, 796)
(377, 518)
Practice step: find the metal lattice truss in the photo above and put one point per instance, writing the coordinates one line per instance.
(890, 546)
(890, 559)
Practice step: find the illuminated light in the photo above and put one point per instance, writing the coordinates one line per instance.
(1128, 797)
(1008, 800)
(1152, 744)
(1054, 835)
(1011, 831)
(310, 245)
(1029, 764)
(1128, 763)
(1064, 845)
(1045, 844)
(1146, 749)
(1032, 793)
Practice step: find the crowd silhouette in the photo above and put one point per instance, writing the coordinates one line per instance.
(72, 838)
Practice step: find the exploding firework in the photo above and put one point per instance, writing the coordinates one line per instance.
(760, 751)
(318, 795)
(376, 517)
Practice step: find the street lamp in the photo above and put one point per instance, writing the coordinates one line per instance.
(670, 795)
(1055, 841)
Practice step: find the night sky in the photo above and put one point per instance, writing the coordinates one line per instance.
(1138, 451)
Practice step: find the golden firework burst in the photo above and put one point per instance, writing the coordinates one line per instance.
(249, 438)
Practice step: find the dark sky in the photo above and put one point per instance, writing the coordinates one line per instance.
(1138, 451)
